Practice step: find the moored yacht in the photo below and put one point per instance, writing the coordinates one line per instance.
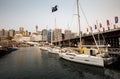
(90, 56)
(96, 55)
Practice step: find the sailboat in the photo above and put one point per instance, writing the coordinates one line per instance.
(96, 55)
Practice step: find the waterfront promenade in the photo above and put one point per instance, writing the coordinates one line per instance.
(33, 63)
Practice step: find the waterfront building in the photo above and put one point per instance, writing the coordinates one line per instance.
(50, 36)
(21, 30)
(26, 33)
(21, 38)
(1, 32)
(45, 35)
(5, 34)
(67, 34)
(18, 37)
(25, 39)
(57, 35)
(17, 32)
(11, 33)
(73, 35)
(36, 36)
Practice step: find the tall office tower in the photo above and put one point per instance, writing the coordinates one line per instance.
(11, 33)
(21, 30)
(57, 35)
(67, 34)
(45, 35)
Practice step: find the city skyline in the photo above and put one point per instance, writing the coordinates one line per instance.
(29, 13)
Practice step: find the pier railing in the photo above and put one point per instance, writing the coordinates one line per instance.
(115, 51)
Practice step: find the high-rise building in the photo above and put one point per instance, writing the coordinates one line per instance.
(1, 32)
(6, 33)
(57, 35)
(45, 35)
(21, 30)
(11, 33)
(67, 34)
(50, 36)
(26, 33)
(73, 35)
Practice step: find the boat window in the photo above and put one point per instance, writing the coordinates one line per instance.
(92, 52)
(70, 54)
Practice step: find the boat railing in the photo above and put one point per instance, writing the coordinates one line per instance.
(93, 46)
(114, 51)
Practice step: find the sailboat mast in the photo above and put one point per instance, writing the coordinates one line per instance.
(79, 22)
(98, 33)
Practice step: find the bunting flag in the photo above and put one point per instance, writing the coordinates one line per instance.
(116, 19)
(54, 8)
(100, 25)
(108, 28)
(108, 23)
(103, 29)
(87, 30)
(95, 27)
(91, 28)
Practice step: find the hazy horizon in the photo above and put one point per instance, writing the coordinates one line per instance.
(29, 13)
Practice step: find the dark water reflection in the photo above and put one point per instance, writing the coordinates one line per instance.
(32, 63)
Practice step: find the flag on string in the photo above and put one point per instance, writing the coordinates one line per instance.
(116, 19)
(87, 30)
(108, 23)
(100, 25)
(54, 8)
(103, 29)
(108, 28)
(91, 28)
(95, 26)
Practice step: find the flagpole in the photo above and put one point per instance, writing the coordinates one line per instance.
(55, 22)
(51, 36)
(54, 9)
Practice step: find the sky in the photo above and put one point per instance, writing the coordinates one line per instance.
(29, 13)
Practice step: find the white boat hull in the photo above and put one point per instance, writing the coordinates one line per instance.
(54, 50)
(85, 59)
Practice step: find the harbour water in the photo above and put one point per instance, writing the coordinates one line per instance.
(33, 63)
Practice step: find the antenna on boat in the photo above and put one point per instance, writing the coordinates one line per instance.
(79, 23)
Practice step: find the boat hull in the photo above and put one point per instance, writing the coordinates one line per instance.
(85, 59)
(54, 50)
